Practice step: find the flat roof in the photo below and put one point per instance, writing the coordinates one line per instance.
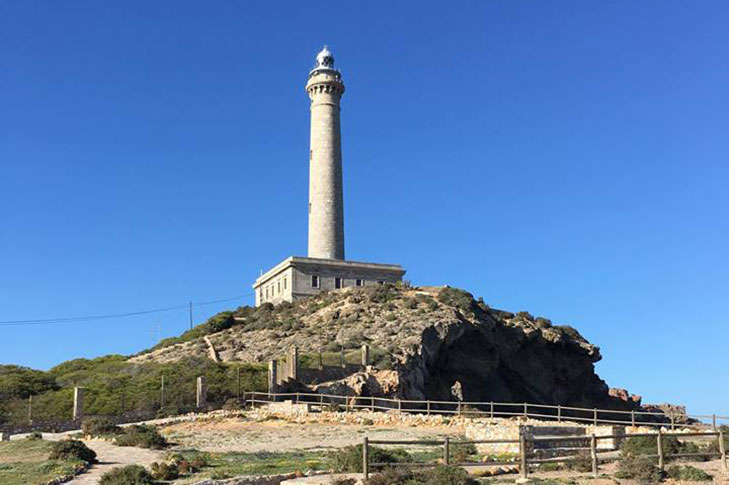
(294, 260)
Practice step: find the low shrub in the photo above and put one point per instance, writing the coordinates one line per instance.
(99, 427)
(70, 450)
(35, 435)
(165, 471)
(127, 475)
(463, 453)
(349, 459)
(638, 468)
(142, 436)
(456, 298)
(688, 474)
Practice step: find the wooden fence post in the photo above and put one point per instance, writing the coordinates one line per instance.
(673, 421)
(343, 358)
(447, 451)
(459, 408)
(593, 453)
(365, 459)
(661, 461)
(713, 422)
(523, 456)
(30, 409)
(722, 450)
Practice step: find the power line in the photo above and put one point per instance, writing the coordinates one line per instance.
(48, 321)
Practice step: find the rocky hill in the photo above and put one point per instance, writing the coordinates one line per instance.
(438, 341)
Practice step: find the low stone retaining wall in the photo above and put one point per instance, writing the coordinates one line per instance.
(252, 480)
(288, 408)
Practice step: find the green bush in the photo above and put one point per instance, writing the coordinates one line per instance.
(638, 468)
(349, 459)
(456, 298)
(70, 450)
(99, 427)
(688, 474)
(127, 475)
(142, 436)
(165, 471)
(35, 435)
(463, 453)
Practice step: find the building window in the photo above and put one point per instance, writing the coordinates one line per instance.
(278, 284)
(358, 282)
(266, 293)
(260, 294)
(337, 283)
(314, 281)
(284, 283)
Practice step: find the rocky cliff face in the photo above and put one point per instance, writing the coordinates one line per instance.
(440, 343)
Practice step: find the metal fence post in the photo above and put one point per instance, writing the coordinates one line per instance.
(559, 413)
(722, 450)
(594, 417)
(365, 458)
(661, 461)
(427, 407)
(459, 408)
(673, 421)
(632, 418)
(492, 409)
(372, 403)
(523, 457)
(447, 451)
(593, 453)
(526, 410)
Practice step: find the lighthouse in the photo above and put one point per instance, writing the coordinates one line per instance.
(326, 200)
(324, 268)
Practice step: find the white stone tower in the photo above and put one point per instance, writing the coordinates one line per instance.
(325, 268)
(326, 205)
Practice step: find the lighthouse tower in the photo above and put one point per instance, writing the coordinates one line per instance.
(324, 268)
(326, 204)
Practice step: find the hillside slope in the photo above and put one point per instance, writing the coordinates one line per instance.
(435, 338)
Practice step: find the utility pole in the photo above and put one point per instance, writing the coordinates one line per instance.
(190, 315)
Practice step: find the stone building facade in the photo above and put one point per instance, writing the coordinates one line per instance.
(325, 267)
(297, 277)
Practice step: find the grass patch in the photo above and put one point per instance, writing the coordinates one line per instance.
(227, 465)
(26, 462)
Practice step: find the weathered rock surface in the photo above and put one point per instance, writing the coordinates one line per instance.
(437, 341)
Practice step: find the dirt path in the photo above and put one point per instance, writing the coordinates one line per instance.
(112, 456)
(239, 435)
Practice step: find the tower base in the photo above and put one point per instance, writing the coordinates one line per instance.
(297, 277)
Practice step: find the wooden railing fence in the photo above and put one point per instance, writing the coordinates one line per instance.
(524, 460)
(558, 413)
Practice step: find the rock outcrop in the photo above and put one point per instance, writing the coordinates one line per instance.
(434, 342)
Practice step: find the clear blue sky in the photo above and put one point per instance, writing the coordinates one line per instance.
(565, 158)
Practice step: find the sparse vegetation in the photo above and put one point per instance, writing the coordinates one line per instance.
(456, 297)
(440, 475)
(142, 436)
(27, 461)
(639, 468)
(71, 450)
(98, 426)
(127, 475)
(349, 459)
(688, 473)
